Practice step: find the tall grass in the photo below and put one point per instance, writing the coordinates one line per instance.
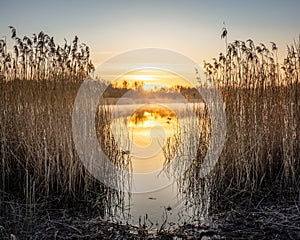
(261, 153)
(38, 158)
(39, 163)
(184, 153)
(261, 157)
(40, 58)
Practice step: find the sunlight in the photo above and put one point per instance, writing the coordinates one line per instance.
(142, 77)
(149, 124)
(152, 79)
(146, 119)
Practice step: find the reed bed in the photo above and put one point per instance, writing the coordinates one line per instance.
(261, 155)
(260, 160)
(39, 58)
(39, 165)
(38, 157)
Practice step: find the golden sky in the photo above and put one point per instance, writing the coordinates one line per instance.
(152, 78)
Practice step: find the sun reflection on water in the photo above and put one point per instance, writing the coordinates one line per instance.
(143, 122)
(149, 127)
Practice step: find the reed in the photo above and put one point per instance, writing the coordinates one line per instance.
(40, 58)
(39, 163)
(260, 159)
(261, 154)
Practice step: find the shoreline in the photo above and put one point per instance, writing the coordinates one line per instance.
(272, 220)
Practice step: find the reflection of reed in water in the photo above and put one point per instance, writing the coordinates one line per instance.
(119, 157)
(193, 192)
(179, 145)
(107, 139)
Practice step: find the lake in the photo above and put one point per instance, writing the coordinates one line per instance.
(160, 140)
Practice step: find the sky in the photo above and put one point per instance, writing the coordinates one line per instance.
(191, 27)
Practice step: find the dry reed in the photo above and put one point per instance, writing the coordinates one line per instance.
(38, 158)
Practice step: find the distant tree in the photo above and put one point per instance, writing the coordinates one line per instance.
(125, 84)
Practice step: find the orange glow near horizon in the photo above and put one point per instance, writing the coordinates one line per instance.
(152, 79)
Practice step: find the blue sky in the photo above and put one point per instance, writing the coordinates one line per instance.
(190, 27)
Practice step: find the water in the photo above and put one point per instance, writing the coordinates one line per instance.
(160, 140)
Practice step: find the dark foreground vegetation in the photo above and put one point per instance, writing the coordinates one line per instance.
(45, 192)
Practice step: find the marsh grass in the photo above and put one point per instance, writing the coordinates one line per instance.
(36, 141)
(261, 155)
(260, 160)
(40, 167)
